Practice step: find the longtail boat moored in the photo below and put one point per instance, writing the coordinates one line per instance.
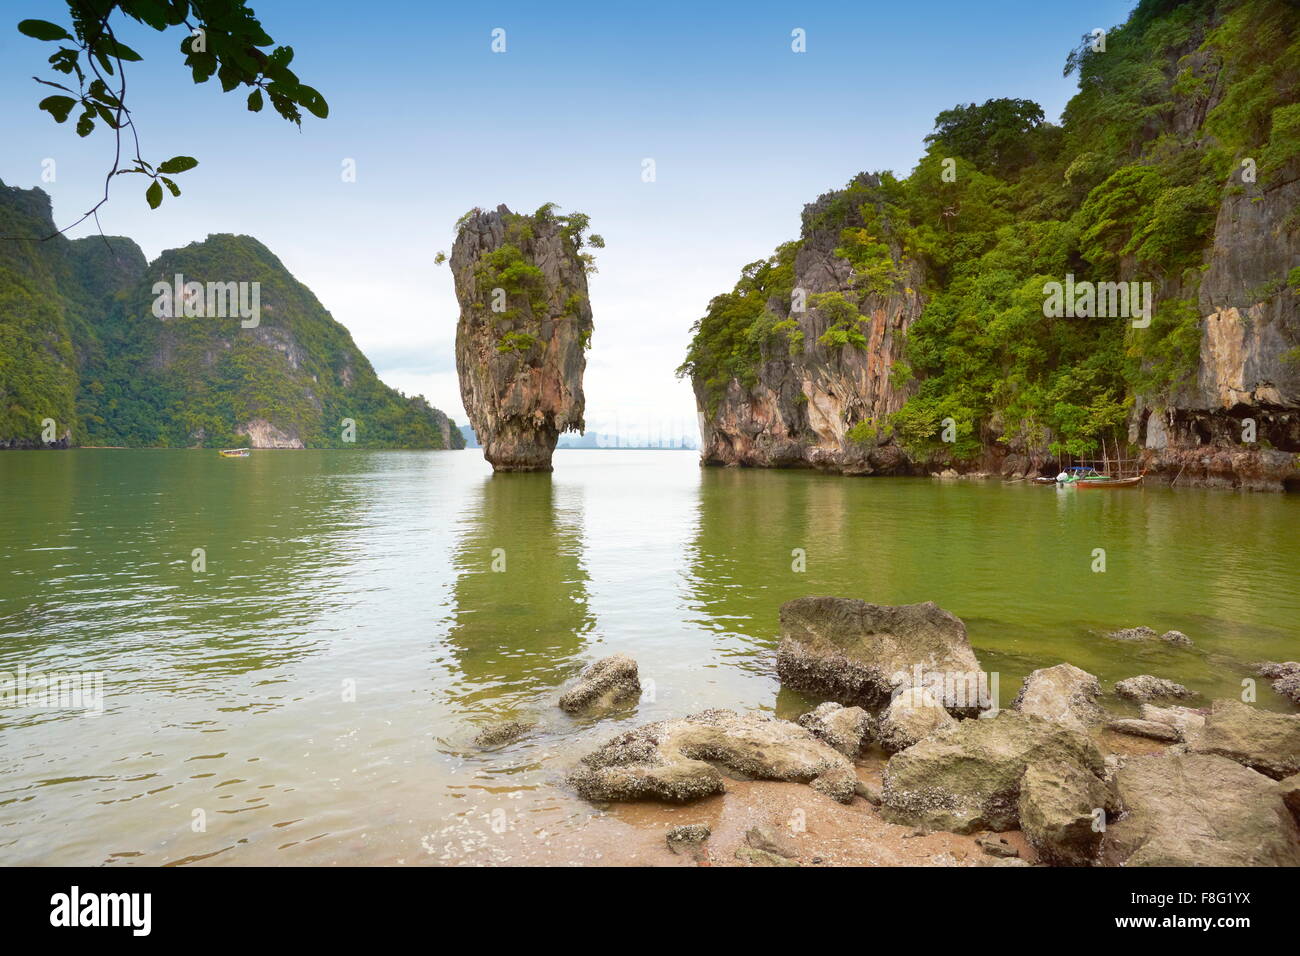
(234, 453)
(1107, 482)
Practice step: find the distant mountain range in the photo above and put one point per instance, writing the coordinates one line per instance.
(96, 353)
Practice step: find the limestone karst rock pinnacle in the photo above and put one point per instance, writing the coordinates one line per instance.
(525, 325)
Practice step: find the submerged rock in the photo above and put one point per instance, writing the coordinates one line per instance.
(857, 653)
(503, 733)
(678, 760)
(1198, 810)
(1144, 633)
(911, 717)
(1065, 694)
(847, 729)
(968, 777)
(1255, 738)
(609, 682)
(1140, 633)
(1146, 687)
(525, 325)
(1285, 678)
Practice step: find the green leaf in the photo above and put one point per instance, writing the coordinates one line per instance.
(177, 164)
(111, 47)
(255, 101)
(57, 86)
(229, 77)
(313, 102)
(175, 190)
(99, 91)
(202, 65)
(86, 123)
(153, 195)
(152, 12)
(58, 106)
(43, 30)
(107, 115)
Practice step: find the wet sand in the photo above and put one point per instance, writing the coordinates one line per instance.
(823, 832)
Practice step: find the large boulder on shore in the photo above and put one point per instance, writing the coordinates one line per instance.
(968, 777)
(913, 715)
(1198, 810)
(678, 760)
(610, 682)
(847, 729)
(1255, 738)
(1062, 812)
(857, 653)
(1065, 694)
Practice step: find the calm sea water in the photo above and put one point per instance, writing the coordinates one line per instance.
(310, 696)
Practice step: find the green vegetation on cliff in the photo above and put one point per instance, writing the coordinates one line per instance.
(83, 346)
(508, 269)
(38, 378)
(1186, 101)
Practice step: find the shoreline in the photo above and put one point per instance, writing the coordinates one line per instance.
(915, 767)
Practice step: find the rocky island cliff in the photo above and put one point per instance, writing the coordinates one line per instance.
(117, 351)
(906, 330)
(524, 330)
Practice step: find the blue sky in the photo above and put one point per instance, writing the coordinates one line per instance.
(743, 132)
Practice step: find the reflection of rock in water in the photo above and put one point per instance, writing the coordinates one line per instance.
(766, 537)
(518, 631)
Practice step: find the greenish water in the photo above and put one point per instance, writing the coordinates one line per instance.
(313, 692)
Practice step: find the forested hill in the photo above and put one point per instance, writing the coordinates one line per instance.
(922, 339)
(247, 357)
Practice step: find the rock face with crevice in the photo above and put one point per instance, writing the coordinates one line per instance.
(800, 388)
(1259, 739)
(1246, 368)
(1199, 810)
(799, 409)
(525, 324)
